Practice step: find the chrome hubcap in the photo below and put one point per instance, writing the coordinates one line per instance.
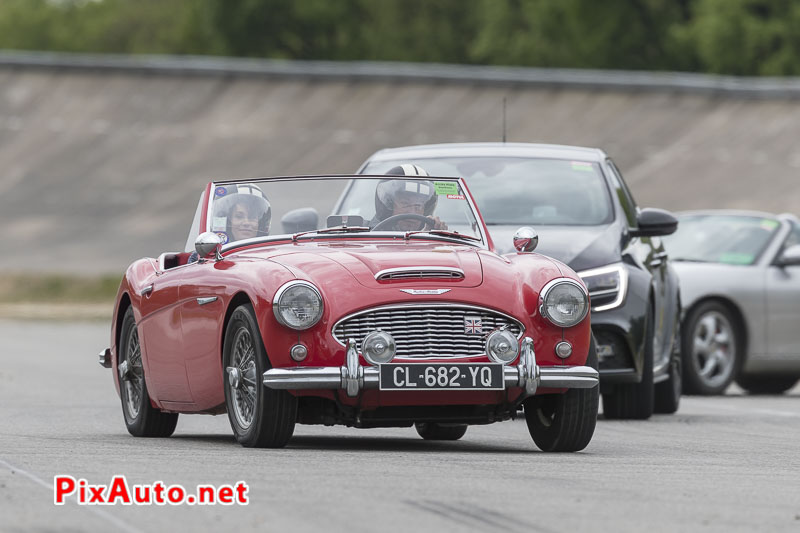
(242, 381)
(714, 349)
(132, 375)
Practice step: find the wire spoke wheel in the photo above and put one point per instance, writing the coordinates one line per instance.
(244, 389)
(134, 379)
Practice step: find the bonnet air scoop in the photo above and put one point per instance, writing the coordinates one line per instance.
(419, 273)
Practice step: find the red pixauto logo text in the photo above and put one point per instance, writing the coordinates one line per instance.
(118, 491)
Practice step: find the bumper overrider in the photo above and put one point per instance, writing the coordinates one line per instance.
(353, 378)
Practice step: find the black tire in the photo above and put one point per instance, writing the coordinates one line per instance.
(634, 401)
(141, 418)
(766, 384)
(668, 393)
(434, 431)
(695, 381)
(260, 417)
(564, 422)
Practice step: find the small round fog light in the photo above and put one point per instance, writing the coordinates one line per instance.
(298, 352)
(563, 349)
(378, 347)
(502, 346)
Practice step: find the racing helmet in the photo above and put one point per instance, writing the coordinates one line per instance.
(387, 191)
(247, 195)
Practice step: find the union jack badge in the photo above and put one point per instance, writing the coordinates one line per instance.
(472, 325)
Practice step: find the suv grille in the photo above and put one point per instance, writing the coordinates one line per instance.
(427, 331)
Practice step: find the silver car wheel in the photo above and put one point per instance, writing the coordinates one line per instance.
(134, 378)
(242, 378)
(714, 348)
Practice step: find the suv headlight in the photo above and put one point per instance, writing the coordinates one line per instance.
(607, 285)
(297, 305)
(564, 302)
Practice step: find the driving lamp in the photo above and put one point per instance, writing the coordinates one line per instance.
(378, 347)
(502, 346)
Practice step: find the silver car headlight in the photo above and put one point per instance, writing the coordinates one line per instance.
(607, 285)
(297, 305)
(564, 302)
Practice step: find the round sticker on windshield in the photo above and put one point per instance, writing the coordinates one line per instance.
(223, 237)
(220, 191)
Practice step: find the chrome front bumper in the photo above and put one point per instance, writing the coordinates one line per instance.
(353, 377)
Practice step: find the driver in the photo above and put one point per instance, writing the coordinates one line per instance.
(240, 212)
(412, 197)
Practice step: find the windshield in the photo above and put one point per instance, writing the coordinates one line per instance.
(730, 239)
(299, 206)
(520, 191)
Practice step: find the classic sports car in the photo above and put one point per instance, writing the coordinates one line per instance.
(397, 312)
(585, 216)
(740, 282)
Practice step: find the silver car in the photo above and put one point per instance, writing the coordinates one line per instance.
(740, 285)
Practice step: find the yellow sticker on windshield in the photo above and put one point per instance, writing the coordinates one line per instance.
(446, 187)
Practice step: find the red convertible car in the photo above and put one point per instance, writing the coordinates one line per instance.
(396, 313)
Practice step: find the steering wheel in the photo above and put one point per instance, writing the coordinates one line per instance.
(387, 223)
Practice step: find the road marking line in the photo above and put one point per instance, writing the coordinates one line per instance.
(773, 412)
(99, 512)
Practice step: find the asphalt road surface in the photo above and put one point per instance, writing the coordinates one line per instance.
(721, 464)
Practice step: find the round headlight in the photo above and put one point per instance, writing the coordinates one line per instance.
(564, 302)
(297, 305)
(378, 347)
(502, 346)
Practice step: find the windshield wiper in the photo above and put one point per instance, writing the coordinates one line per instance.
(443, 233)
(334, 229)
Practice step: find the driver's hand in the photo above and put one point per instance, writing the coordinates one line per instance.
(438, 224)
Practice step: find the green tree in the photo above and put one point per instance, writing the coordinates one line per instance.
(745, 37)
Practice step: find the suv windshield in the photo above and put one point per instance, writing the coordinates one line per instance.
(524, 191)
(731, 239)
(242, 210)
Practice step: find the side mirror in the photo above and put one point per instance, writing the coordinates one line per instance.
(789, 257)
(206, 243)
(297, 220)
(526, 239)
(654, 222)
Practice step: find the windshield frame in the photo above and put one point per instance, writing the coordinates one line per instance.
(484, 243)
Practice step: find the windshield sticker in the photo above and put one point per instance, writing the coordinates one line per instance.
(220, 191)
(736, 259)
(219, 223)
(769, 224)
(456, 197)
(223, 236)
(446, 187)
(581, 165)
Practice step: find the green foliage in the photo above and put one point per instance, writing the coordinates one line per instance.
(745, 37)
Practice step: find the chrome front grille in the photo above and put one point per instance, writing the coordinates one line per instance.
(427, 331)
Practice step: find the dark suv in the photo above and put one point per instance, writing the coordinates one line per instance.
(585, 216)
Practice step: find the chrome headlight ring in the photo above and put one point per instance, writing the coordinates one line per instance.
(298, 314)
(548, 292)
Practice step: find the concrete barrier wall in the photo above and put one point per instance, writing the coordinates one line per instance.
(102, 159)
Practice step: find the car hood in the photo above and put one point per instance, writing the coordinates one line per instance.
(580, 247)
(321, 261)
